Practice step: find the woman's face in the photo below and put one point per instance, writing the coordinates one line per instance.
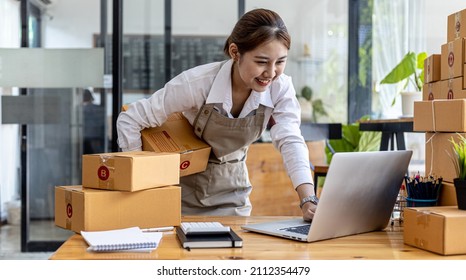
(257, 68)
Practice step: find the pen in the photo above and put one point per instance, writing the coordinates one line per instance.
(159, 229)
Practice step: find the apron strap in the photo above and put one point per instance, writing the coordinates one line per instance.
(202, 118)
(260, 115)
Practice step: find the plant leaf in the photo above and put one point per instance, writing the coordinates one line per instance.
(354, 140)
(420, 60)
(351, 134)
(459, 157)
(402, 70)
(370, 141)
(318, 107)
(306, 92)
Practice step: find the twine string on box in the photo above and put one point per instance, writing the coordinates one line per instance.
(433, 115)
(431, 142)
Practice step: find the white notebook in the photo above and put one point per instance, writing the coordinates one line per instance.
(121, 239)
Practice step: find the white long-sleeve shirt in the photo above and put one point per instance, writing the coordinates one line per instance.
(211, 83)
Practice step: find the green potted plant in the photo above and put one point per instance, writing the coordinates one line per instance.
(459, 161)
(354, 140)
(311, 108)
(409, 70)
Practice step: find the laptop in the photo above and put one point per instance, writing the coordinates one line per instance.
(358, 196)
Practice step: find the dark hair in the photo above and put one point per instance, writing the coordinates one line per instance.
(87, 96)
(255, 28)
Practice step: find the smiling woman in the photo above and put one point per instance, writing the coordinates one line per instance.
(230, 104)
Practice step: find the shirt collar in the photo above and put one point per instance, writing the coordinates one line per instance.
(221, 87)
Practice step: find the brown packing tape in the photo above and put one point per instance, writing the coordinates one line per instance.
(186, 160)
(431, 94)
(68, 209)
(106, 171)
(423, 218)
(428, 69)
(451, 60)
(457, 24)
(433, 115)
(450, 94)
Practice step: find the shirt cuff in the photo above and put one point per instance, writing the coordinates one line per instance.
(300, 178)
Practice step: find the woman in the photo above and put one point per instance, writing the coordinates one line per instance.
(229, 104)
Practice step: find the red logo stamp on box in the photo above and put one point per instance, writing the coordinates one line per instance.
(69, 210)
(185, 164)
(451, 59)
(103, 173)
(450, 94)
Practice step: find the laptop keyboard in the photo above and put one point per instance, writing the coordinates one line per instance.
(304, 229)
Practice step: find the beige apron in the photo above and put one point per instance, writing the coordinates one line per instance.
(224, 188)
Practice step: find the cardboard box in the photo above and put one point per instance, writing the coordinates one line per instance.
(447, 195)
(431, 91)
(423, 116)
(450, 115)
(464, 71)
(432, 68)
(452, 88)
(437, 153)
(78, 208)
(130, 171)
(177, 135)
(440, 115)
(445, 89)
(456, 25)
(452, 59)
(437, 229)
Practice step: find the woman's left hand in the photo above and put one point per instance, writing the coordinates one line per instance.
(308, 210)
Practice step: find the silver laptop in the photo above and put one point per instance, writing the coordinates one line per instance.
(358, 196)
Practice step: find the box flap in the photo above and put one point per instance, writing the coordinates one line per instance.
(131, 154)
(175, 135)
(447, 211)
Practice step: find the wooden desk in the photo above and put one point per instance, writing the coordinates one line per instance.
(392, 130)
(382, 245)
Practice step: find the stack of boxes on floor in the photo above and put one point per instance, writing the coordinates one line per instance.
(126, 189)
(441, 114)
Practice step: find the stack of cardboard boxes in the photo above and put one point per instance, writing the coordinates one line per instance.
(441, 114)
(126, 189)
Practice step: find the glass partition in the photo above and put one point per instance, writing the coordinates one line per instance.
(318, 57)
(50, 85)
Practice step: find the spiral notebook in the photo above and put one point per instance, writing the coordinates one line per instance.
(132, 238)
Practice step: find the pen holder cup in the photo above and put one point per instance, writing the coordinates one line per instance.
(413, 202)
(422, 191)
